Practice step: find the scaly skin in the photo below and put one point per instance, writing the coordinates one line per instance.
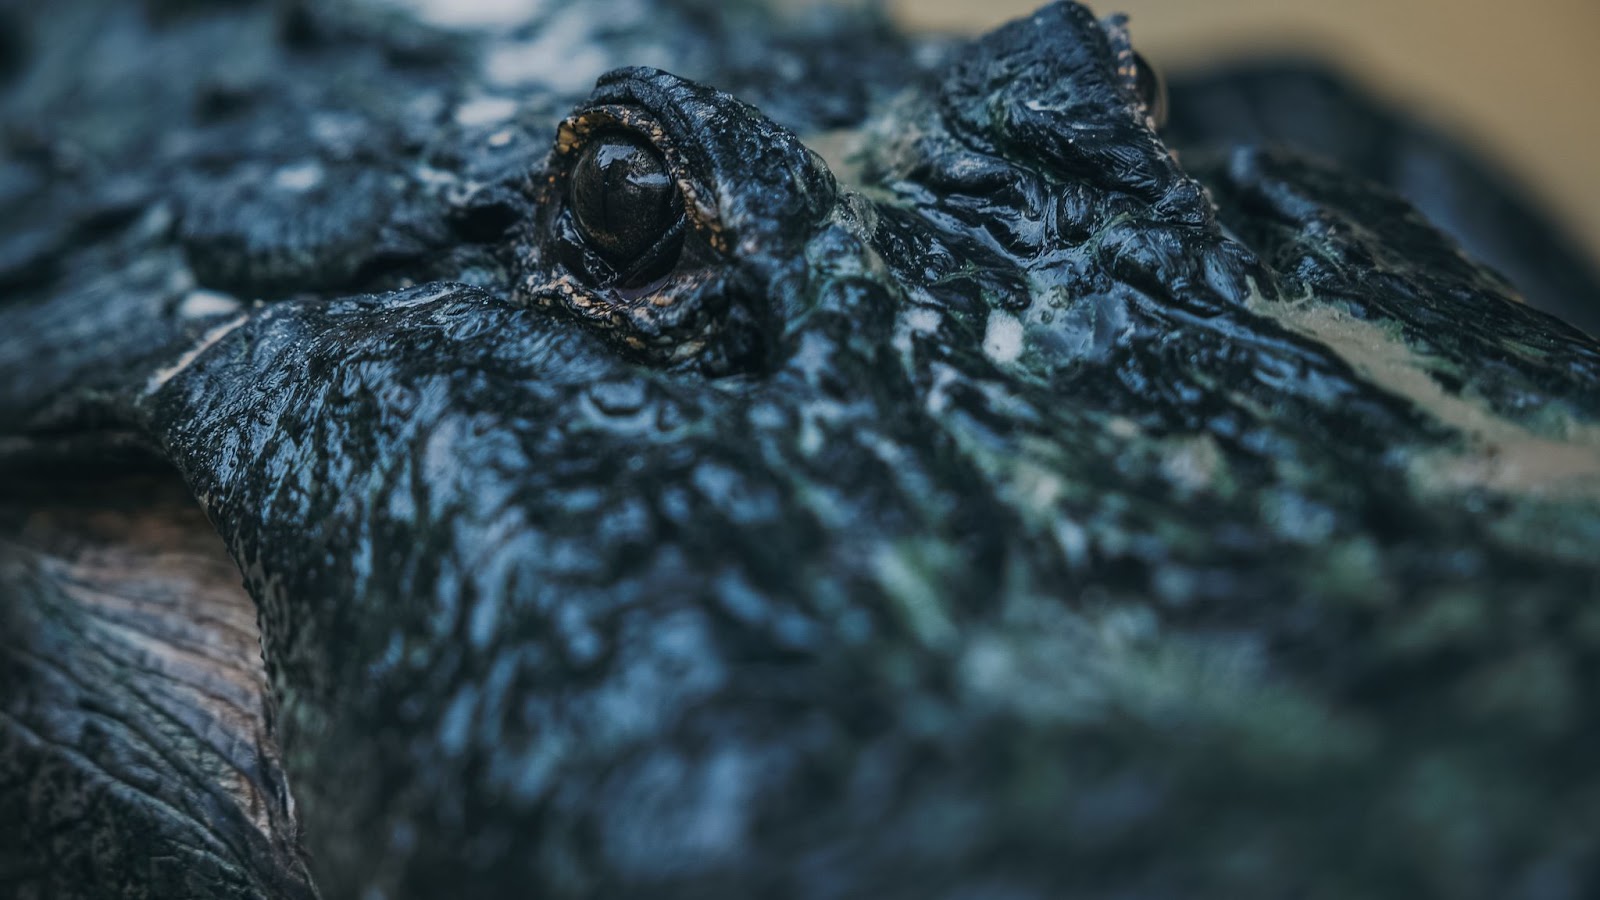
(976, 511)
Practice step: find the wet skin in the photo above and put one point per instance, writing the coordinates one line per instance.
(639, 501)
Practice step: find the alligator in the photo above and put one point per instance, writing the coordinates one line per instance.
(721, 450)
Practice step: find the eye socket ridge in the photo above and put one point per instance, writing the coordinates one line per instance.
(627, 195)
(628, 237)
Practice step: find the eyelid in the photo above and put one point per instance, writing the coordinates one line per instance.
(699, 200)
(652, 257)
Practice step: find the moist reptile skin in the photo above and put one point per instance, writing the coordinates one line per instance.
(697, 450)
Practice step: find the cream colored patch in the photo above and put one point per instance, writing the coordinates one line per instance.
(1124, 428)
(201, 304)
(839, 148)
(915, 321)
(1003, 338)
(300, 177)
(564, 54)
(1193, 464)
(1502, 455)
(485, 111)
(422, 300)
(477, 15)
(209, 340)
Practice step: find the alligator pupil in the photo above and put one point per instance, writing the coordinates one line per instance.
(623, 198)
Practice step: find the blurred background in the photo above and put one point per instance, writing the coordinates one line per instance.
(1518, 79)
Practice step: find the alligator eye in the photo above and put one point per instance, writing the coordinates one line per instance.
(1152, 89)
(624, 198)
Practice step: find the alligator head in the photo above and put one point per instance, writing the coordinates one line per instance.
(939, 490)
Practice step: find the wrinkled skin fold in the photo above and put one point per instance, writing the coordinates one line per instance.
(985, 502)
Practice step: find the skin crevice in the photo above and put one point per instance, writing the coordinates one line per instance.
(122, 684)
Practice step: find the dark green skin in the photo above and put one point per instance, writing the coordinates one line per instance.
(994, 516)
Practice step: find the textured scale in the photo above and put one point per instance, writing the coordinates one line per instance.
(986, 502)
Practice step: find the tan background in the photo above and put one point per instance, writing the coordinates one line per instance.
(1519, 77)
